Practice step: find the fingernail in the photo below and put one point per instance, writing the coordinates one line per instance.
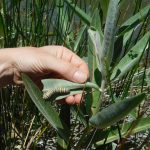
(80, 76)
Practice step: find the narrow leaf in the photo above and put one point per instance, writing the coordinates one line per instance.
(79, 37)
(142, 125)
(95, 39)
(133, 21)
(137, 17)
(85, 18)
(44, 107)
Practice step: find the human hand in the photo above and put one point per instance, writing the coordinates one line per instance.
(43, 62)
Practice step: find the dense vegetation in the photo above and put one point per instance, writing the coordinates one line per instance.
(113, 37)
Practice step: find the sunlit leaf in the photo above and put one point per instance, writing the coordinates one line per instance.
(96, 41)
(131, 58)
(137, 17)
(109, 31)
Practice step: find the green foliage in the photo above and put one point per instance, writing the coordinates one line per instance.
(47, 110)
(141, 125)
(115, 52)
(74, 88)
(116, 111)
(132, 57)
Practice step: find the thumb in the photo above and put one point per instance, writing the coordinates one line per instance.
(67, 70)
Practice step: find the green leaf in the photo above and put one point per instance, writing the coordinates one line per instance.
(134, 20)
(96, 41)
(75, 88)
(131, 58)
(79, 37)
(142, 125)
(96, 23)
(93, 102)
(137, 17)
(109, 31)
(116, 111)
(44, 107)
(104, 5)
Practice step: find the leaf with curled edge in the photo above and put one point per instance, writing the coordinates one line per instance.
(75, 88)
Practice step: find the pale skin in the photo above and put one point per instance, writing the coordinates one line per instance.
(43, 62)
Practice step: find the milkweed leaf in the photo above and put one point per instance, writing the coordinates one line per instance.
(131, 58)
(116, 111)
(75, 88)
(44, 107)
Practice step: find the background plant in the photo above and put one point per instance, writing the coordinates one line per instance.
(79, 25)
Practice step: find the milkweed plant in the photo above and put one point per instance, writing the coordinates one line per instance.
(116, 47)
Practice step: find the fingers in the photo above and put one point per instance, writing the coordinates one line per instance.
(67, 55)
(72, 100)
(67, 64)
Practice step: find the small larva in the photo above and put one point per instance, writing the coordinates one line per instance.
(48, 93)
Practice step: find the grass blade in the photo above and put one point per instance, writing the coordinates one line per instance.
(85, 18)
(79, 37)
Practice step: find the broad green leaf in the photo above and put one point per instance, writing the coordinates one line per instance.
(44, 107)
(75, 88)
(131, 58)
(142, 125)
(109, 31)
(85, 18)
(116, 111)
